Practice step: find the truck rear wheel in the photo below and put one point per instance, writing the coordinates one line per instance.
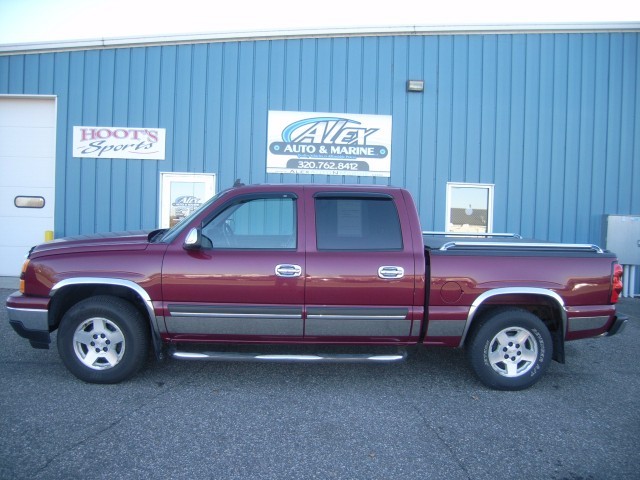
(510, 349)
(103, 340)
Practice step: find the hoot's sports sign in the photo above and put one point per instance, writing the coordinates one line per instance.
(119, 142)
(329, 144)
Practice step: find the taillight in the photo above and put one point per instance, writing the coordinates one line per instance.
(616, 282)
(23, 274)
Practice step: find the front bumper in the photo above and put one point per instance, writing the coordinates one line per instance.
(30, 319)
(619, 322)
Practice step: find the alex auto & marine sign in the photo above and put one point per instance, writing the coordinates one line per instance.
(329, 144)
(119, 142)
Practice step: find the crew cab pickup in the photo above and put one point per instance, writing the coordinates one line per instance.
(324, 272)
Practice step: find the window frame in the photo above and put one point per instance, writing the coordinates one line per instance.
(167, 181)
(357, 196)
(451, 186)
(238, 201)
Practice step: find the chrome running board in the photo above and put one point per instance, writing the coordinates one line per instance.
(295, 358)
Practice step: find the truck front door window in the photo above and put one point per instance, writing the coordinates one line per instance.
(260, 223)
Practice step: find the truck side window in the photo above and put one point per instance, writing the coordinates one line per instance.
(258, 223)
(357, 224)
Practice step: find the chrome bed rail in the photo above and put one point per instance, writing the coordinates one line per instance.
(511, 246)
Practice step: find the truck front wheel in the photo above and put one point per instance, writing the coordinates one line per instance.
(103, 340)
(510, 349)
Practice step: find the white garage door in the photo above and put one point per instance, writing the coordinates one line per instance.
(27, 176)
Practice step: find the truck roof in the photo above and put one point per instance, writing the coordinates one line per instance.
(298, 186)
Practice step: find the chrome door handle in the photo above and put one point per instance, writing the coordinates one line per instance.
(288, 270)
(390, 272)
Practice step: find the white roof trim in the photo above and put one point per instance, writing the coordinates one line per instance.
(126, 42)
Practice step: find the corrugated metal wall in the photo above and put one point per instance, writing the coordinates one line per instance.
(553, 120)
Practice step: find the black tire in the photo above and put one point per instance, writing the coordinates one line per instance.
(509, 349)
(103, 340)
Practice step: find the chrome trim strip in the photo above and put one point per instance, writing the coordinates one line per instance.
(445, 328)
(513, 291)
(587, 323)
(30, 318)
(356, 317)
(235, 311)
(232, 315)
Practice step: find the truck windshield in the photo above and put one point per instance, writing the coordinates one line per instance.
(174, 231)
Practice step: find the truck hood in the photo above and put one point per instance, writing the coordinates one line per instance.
(89, 243)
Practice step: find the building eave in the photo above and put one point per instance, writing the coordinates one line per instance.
(243, 36)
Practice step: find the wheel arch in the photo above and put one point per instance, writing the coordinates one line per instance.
(68, 292)
(544, 303)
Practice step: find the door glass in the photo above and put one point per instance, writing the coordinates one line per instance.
(357, 224)
(261, 223)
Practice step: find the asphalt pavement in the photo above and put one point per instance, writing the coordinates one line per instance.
(425, 418)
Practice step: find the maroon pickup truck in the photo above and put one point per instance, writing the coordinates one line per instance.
(313, 273)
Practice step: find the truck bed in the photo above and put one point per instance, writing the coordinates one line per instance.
(504, 244)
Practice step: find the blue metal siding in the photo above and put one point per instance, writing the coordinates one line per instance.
(553, 120)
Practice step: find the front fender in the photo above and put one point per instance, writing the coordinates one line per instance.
(132, 287)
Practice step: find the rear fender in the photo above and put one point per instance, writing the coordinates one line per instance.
(549, 295)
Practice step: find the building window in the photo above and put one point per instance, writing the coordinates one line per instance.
(182, 193)
(469, 208)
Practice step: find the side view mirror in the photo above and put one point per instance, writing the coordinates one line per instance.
(193, 240)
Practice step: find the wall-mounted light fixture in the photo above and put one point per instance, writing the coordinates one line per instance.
(415, 85)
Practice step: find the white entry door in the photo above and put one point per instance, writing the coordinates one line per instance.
(27, 176)
(182, 193)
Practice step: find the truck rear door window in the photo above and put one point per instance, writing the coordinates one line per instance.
(352, 223)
